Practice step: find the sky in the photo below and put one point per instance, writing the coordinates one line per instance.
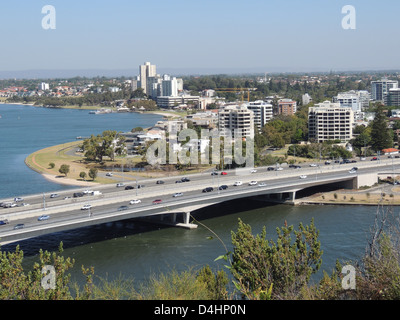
(183, 36)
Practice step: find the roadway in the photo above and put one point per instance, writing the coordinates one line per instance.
(68, 212)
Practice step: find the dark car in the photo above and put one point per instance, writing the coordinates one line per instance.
(122, 208)
(160, 182)
(270, 169)
(4, 222)
(178, 181)
(78, 194)
(209, 189)
(223, 187)
(214, 173)
(129, 188)
(185, 179)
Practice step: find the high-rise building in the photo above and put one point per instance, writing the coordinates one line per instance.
(169, 86)
(330, 121)
(235, 118)
(348, 99)
(146, 71)
(287, 107)
(263, 113)
(380, 89)
(393, 98)
(44, 86)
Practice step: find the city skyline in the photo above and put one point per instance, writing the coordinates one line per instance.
(194, 38)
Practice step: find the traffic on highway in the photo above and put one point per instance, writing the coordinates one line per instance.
(38, 210)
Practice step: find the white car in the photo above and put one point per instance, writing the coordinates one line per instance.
(253, 171)
(109, 174)
(86, 207)
(262, 184)
(279, 169)
(313, 165)
(253, 183)
(135, 201)
(303, 177)
(352, 171)
(88, 191)
(120, 184)
(238, 183)
(178, 194)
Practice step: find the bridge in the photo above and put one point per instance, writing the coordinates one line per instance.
(111, 203)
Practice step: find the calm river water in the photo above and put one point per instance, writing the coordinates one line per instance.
(138, 250)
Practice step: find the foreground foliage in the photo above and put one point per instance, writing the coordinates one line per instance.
(261, 269)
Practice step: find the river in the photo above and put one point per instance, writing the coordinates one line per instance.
(137, 250)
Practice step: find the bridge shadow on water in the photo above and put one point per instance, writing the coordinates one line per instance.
(125, 228)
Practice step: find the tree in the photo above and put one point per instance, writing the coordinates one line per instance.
(93, 173)
(109, 144)
(380, 133)
(16, 284)
(52, 165)
(279, 270)
(82, 175)
(64, 169)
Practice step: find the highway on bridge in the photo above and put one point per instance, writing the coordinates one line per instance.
(114, 202)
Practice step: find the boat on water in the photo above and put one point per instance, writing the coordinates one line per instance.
(100, 111)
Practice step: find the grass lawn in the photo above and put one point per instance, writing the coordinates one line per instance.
(61, 154)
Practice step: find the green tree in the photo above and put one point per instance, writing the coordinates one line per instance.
(93, 173)
(82, 175)
(278, 270)
(64, 169)
(380, 133)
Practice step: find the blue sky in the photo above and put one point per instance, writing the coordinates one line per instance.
(264, 35)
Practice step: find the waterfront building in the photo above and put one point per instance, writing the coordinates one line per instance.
(43, 86)
(146, 71)
(330, 121)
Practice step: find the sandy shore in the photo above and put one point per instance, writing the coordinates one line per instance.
(69, 182)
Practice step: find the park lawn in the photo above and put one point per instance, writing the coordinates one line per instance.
(40, 160)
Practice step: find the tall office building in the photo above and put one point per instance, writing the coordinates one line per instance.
(263, 113)
(146, 72)
(330, 121)
(380, 89)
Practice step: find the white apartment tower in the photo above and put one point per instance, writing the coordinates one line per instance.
(330, 121)
(146, 72)
(380, 89)
(239, 119)
(263, 113)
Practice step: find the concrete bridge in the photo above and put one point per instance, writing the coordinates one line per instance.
(281, 186)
